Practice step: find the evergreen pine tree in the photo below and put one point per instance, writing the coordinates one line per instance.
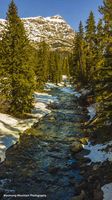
(90, 46)
(58, 68)
(105, 75)
(99, 45)
(79, 57)
(18, 75)
(41, 69)
(51, 67)
(99, 59)
(55, 67)
(66, 70)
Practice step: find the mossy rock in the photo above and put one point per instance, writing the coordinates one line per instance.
(76, 147)
(34, 132)
(8, 163)
(26, 173)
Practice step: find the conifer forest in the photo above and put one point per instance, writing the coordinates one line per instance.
(56, 107)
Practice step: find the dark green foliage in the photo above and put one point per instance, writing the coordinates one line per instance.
(105, 73)
(90, 39)
(79, 57)
(18, 76)
(41, 65)
(92, 60)
(49, 65)
(55, 67)
(90, 29)
(24, 68)
(66, 67)
(99, 46)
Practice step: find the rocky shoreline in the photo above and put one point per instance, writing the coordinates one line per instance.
(99, 174)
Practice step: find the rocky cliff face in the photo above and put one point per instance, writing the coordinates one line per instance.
(54, 30)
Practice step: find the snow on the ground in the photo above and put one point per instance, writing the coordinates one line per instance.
(7, 119)
(56, 18)
(50, 85)
(70, 90)
(107, 190)
(64, 86)
(84, 91)
(91, 111)
(64, 77)
(98, 152)
(45, 98)
(10, 127)
(61, 84)
(77, 94)
(67, 90)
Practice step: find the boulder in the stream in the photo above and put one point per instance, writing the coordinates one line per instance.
(76, 146)
(80, 197)
(53, 170)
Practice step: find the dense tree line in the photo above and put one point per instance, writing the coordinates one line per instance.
(23, 68)
(92, 59)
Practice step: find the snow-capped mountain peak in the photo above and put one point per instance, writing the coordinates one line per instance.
(54, 30)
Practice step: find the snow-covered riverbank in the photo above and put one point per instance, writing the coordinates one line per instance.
(11, 127)
(48, 152)
(99, 152)
(107, 191)
(91, 111)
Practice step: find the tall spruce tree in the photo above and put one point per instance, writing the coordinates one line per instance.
(99, 59)
(41, 69)
(51, 67)
(65, 67)
(58, 68)
(90, 46)
(18, 74)
(99, 51)
(55, 68)
(79, 57)
(99, 45)
(105, 83)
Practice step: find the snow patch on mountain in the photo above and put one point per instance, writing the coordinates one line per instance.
(54, 30)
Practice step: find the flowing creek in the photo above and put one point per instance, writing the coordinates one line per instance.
(41, 163)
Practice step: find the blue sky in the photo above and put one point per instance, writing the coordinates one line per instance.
(71, 10)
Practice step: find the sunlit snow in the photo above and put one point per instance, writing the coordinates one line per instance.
(98, 152)
(91, 111)
(107, 190)
(70, 90)
(10, 127)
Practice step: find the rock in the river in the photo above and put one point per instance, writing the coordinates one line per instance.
(96, 167)
(53, 170)
(80, 197)
(76, 147)
(84, 140)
